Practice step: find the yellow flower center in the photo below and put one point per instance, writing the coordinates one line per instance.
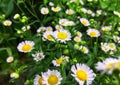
(40, 81)
(45, 11)
(49, 37)
(62, 35)
(59, 61)
(56, 9)
(7, 23)
(84, 22)
(70, 12)
(106, 29)
(77, 39)
(93, 34)
(110, 65)
(81, 75)
(53, 80)
(118, 65)
(27, 47)
(111, 46)
(49, 29)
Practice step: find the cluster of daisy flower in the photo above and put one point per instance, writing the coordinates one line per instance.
(108, 47)
(64, 34)
(81, 72)
(108, 65)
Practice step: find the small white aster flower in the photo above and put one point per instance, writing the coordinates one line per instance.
(106, 28)
(25, 28)
(93, 33)
(49, 35)
(104, 47)
(84, 10)
(79, 34)
(56, 9)
(38, 80)
(51, 4)
(116, 13)
(84, 49)
(44, 10)
(84, 21)
(58, 27)
(62, 35)
(81, 2)
(49, 28)
(25, 46)
(38, 56)
(108, 65)
(9, 59)
(57, 62)
(52, 77)
(99, 12)
(77, 39)
(14, 75)
(63, 22)
(70, 23)
(116, 39)
(7, 23)
(82, 73)
(41, 29)
(69, 11)
(89, 12)
(112, 46)
(118, 28)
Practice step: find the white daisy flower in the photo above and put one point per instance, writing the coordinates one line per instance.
(44, 10)
(25, 46)
(84, 49)
(38, 56)
(49, 28)
(41, 29)
(89, 12)
(70, 23)
(63, 22)
(117, 64)
(84, 10)
(77, 39)
(51, 4)
(112, 46)
(9, 59)
(118, 28)
(56, 9)
(104, 47)
(57, 62)
(93, 33)
(108, 65)
(14, 75)
(69, 11)
(58, 27)
(52, 77)
(106, 28)
(84, 21)
(62, 35)
(25, 28)
(79, 34)
(48, 35)
(38, 80)
(7, 23)
(116, 13)
(99, 12)
(82, 73)
(116, 39)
